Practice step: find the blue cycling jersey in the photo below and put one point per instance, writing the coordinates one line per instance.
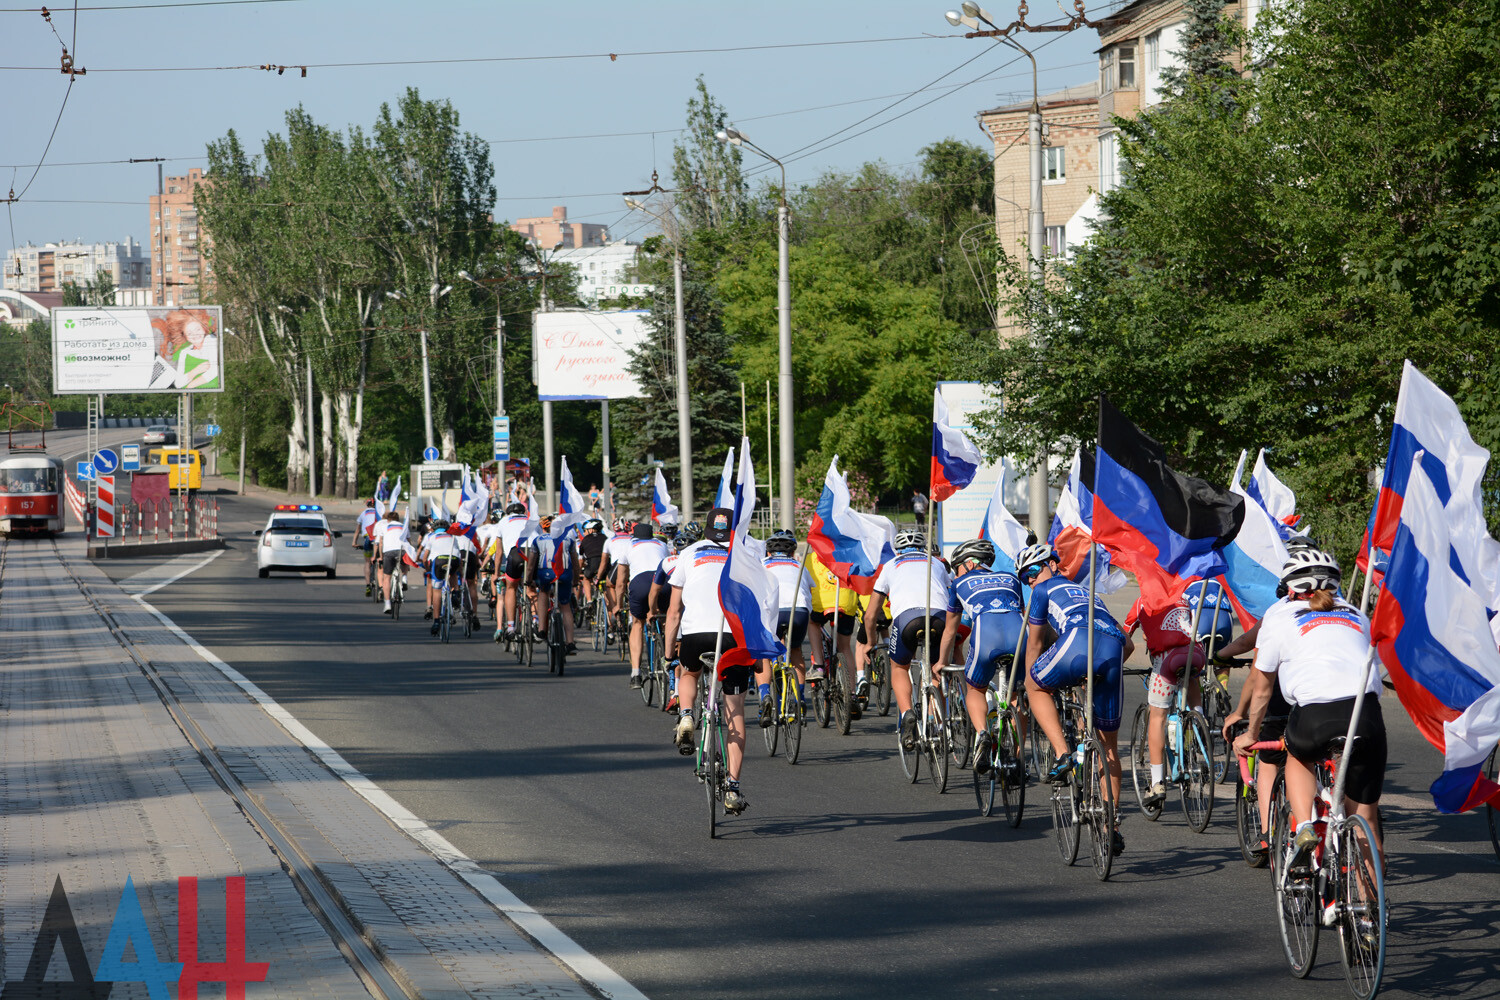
(1064, 605)
(983, 592)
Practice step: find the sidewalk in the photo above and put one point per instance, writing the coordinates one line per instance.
(100, 785)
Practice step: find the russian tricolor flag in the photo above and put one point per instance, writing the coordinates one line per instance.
(1433, 633)
(1073, 522)
(853, 545)
(569, 499)
(663, 511)
(725, 496)
(1272, 494)
(1002, 529)
(1252, 562)
(748, 592)
(1164, 527)
(955, 460)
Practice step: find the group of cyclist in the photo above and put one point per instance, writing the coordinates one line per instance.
(1309, 649)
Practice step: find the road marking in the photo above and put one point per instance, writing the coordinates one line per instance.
(567, 951)
(149, 581)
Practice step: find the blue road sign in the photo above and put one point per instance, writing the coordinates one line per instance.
(130, 458)
(105, 461)
(85, 471)
(502, 439)
(429, 454)
(212, 430)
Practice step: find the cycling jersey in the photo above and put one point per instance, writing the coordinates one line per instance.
(591, 547)
(1217, 616)
(391, 535)
(644, 556)
(825, 583)
(511, 529)
(697, 576)
(1064, 605)
(1318, 656)
(992, 604)
(1164, 630)
(618, 548)
(488, 534)
(794, 582)
(366, 523)
(904, 580)
(440, 544)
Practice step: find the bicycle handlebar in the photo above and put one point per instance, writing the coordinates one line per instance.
(1262, 745)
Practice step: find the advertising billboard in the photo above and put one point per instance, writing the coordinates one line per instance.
(586, 355)
(121, 349)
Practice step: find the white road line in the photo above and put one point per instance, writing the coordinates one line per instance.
(130, 583)
(587, 967)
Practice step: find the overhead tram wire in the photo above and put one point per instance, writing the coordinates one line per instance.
(149, 6)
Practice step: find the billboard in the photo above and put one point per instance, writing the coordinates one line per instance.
(120, 349)
(586, 355)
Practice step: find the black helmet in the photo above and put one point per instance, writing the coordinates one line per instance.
(494, 517)
(516, 508)
(782, 542)
(981, 550)
(441, 524)
(689, 533)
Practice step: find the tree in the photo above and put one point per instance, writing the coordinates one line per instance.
(706, 172)
(1208, 39)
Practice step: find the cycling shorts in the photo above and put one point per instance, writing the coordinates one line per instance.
(1066, 662)
(590, 566)
(663, 600)
(640, 594)
(690, 649)
(906, 636)
(1310, 728)
(798, 621)
(561, 586)
(515, 565)
(369, 547)
(389, 561)
(448, 567)
(845, 625)
(995, 636)
(1166, 673)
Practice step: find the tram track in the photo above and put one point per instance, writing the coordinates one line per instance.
(382, 980)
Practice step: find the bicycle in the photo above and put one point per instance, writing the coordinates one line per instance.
(600, 620)
(651, 644)
(878, 676)
(557, 642)
(1343, 888)
(398, 593)
(786, 707)
(1247, 822)
(932, 731)
(525, 627)
(1086, 798)
(1217, 706)
(1188, 758)
(956, 715)
(1006, 767)
(712, 764)
(830, 696)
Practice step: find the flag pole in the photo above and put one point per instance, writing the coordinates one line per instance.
(1088, 701)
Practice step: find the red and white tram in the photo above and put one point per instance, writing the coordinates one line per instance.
(31, 499)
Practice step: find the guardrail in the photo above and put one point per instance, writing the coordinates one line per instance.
(168, 520)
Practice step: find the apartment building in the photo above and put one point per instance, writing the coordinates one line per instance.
(603, 271)
(177, 241)
(554, 231)
(49, 267)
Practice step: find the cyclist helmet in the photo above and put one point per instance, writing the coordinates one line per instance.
(515, 508)
(911, 539)
(440, 525)
(690, 533)
(782, 542)
(666, 531)
(545, 521)
(619, 524)
(1034, 557)
(593, 524)
(1310, 569)
(370, 502)
(980, 550)
(1297, 542)
(494, 517)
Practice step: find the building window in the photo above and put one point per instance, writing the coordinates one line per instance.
(1153, 52)
(1126, 70)
(1106, 71)
(1108, 161)
(1054, 164)
(1056, 241)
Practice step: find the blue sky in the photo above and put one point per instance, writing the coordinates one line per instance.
(113, 116)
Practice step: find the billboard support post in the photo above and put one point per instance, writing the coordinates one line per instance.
(547, 449)
(609, 489)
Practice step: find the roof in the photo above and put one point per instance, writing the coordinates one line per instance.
(1081, 93)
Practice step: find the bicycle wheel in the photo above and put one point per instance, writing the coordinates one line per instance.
(936, 742)
(1064, 812)
(396, 601)
(985, 784)
(822, 700)
(1140, 761)
(1360, 891)
(838, 699)
(960, 729)
(1296, 903)
(1490, 817)
(1010, 767)
(880, 668)
(791, 729)
(601, 625)
(1247, 819)
(557, 646)
(445, 616)
(1197, 772)
(711, 767)
(1217, 708)
(911, 760)
(772, 732)
(1099, 808)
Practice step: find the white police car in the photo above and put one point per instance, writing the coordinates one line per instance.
(297, 538)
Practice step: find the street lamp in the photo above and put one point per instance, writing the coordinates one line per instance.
(435, 293)
(1036, 234)
(735, 137)
(684, 428)
(499, 362)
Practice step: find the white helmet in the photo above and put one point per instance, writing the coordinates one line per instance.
(1310, 569)
(911, 539)
(1034, 555)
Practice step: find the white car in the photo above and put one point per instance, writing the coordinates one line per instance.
(297, 538)
(159, 434)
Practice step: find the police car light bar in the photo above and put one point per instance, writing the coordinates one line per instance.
(297, 506)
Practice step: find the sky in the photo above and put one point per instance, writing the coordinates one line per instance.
(620, 116)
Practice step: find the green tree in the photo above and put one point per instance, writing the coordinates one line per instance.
(710, 185)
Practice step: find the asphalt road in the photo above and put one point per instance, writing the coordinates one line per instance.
(842, 879)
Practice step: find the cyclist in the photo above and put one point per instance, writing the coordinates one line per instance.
(364, 538)
(552, 571)
(661, 599)
(840, 619)
(640, 564)
(443, 557)
(906, 581)
(1170, 646)
(616, 549)
(467, 568)
(795, 586)
(392, 537)
(695, 610)
(1313, 645)
(489, 566)
(991, 600)
(1063, 605)
(512, 526)
(591, 551)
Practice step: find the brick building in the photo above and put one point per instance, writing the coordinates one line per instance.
(547, 232)
(176, 240)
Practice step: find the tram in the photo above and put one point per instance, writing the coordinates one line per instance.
(31, 500)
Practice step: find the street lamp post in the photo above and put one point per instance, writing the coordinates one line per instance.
(784, 318)
(1036, 230)
(435, 294)
(684, 425)
(499, 366)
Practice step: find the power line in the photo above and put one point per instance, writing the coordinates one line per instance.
(147, 6)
